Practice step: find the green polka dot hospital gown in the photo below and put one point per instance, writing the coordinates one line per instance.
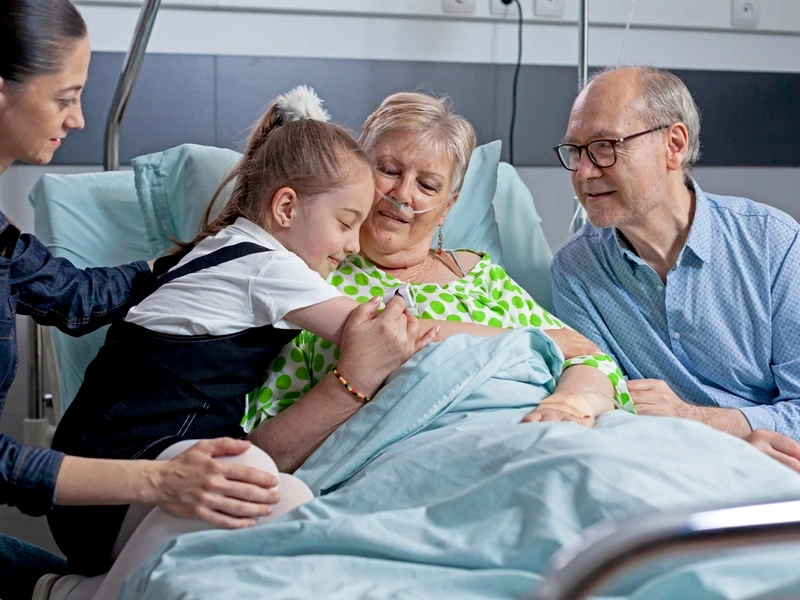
(486, 295)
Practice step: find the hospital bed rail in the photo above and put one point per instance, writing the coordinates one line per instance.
(606, 550)
(37, 428)
(127, 79)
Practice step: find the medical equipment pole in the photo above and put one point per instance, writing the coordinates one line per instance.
(578, 211)
(130, 71)
(583, 43)
(608, 551)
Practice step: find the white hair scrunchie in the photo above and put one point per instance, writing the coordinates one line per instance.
(301, 103)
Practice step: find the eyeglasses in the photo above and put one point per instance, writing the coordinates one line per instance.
(603, 153)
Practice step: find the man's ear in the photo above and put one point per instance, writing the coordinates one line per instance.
(449, 207)
(283, 207)
(677, 145)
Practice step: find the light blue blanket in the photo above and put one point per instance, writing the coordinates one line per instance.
(436, 490)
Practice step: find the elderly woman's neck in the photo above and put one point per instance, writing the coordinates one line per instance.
(411, 264)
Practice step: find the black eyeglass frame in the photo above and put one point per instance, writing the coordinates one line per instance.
(613, 143)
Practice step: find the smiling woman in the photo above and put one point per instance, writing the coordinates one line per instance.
(42, 72)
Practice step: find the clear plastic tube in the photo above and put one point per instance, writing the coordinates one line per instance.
(407, 209)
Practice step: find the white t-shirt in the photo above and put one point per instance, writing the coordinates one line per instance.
(251, 291)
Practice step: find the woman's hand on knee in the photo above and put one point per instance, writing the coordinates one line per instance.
(197, 485)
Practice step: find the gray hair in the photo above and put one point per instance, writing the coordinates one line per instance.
(666, 100)
(432, 120)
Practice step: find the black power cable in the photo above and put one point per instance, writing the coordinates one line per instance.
(514, 85)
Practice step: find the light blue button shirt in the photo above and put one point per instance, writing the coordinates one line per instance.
(723, 331)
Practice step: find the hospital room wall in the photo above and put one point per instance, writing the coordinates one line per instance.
(413, 42)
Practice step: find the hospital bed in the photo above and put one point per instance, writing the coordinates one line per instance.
(121, 216)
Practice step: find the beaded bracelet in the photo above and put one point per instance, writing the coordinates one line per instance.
(343, 381)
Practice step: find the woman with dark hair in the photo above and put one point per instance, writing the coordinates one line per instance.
(44, 61)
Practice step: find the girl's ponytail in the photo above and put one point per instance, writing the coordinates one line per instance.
(291, 145)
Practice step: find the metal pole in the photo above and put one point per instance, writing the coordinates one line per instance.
(35, 397)
(130, 71)
(578, 211)
(583, 43)
(609, 552)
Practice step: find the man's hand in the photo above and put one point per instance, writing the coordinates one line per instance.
(779, 447)
(654, 397)
(572, 343)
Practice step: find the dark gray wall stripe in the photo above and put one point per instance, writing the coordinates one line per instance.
(750, 119)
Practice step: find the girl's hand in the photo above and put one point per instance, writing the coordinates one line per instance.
(570, 408)
(374, 344)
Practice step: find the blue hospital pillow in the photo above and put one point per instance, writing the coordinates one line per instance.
(175, 187)
(91, 219)
(471, 222)
(526, 253)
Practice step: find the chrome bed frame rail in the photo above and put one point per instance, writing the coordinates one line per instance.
(607, 551)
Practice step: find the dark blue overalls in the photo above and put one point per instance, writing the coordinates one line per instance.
(144, 392)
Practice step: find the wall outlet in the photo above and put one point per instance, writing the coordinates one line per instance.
(744, 13)
(459, 6)
(548, 8)
(496, 7)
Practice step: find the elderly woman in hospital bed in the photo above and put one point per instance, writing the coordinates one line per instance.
(420, 150)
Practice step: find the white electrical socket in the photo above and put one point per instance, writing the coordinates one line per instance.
(548, 8)
(745, 13)
(459, 6)
(496, 7)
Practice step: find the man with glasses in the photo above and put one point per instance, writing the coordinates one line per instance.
(696, 296)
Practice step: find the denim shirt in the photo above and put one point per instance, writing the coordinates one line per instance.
(53, 292)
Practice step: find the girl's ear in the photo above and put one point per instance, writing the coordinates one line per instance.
(283, 207)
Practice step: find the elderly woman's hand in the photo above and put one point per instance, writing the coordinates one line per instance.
(572, 343)
(375, 344)
(571, 408)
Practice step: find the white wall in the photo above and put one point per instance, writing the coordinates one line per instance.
(676, 34)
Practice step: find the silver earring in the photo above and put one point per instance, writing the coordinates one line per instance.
(439, 250)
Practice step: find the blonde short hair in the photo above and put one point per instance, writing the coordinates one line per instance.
(429, 118)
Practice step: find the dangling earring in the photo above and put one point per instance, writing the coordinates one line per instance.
(439, 250)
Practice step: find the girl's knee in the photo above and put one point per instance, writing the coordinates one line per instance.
(254, 457)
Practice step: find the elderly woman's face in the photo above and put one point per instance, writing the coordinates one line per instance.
(416, 176)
